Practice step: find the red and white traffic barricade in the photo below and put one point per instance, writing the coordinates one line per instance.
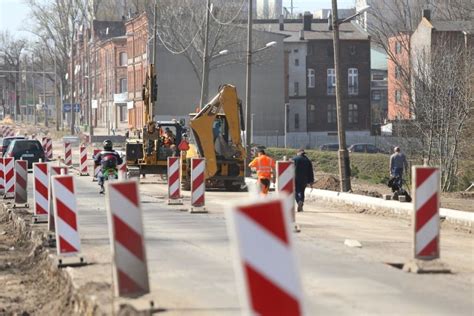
(122, 171)
(266, 264)
(67, 153)
(96, 168)
(41, 192)
(65, 213)
(198, 185)
(426, 214)
(174, 181)
(285, 182)
(9, 174)
(83, 169)
(44, 143)
(49, 148)
(2, 177)
(127, 239)
(21, 183)
(53, 171)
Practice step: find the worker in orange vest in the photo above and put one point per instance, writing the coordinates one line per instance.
(265, 167)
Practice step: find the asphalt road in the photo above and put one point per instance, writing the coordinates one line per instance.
(191, 271)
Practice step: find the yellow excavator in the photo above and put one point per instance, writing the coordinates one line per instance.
(149, 155)
(216, 136)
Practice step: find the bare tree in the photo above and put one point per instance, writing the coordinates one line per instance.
(442, 85)
(12, 50)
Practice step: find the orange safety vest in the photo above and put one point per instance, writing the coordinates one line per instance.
(264, 166)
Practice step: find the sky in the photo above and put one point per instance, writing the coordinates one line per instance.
(14, 13)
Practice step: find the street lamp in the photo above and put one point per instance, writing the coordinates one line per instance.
(343, 155)
(248, 107)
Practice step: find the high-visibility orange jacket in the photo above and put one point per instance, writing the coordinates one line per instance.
(264, 165)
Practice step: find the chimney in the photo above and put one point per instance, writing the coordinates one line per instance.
(307, 20)
(301, 35)
(281, 22)
(427, 14)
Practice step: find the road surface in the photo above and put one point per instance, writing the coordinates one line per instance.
(191, 271)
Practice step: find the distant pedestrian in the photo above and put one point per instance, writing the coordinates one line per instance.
(304, 175)
(265, 166)
(398, 164)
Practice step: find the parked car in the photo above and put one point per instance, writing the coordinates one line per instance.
(364, 148)
(6, 141)
(329, 147)
(26, 149)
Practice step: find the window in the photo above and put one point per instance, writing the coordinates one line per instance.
(123, 85)
(377, 77)
(397, 72)
(398, 96)
(353, 81)
(311, 78)
(398, 48)
(376, 95)
(331, 113)
(312, 114)
(297, 62)
(353, 114)
(310, 50)
(123, 59)
(297, 121)
(296, 88)
(295, 50)
(331, 81)
(352, 50)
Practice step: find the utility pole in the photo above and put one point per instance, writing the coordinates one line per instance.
(248, 107)
(73, 113)
(153, 75)
(343, 155)
(35, 118)
(44, 94)
(205, 59)
(56, 103)
(107, 107)
(89, 46)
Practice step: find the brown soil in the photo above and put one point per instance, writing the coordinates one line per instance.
(31, 286)
(327, 182)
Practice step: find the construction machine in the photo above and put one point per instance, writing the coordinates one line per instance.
(159, 139)
(216, 136)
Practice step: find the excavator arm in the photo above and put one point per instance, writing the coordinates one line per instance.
(225, 101)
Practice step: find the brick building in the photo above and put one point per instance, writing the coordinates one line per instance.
(399, 77)
(137, 32)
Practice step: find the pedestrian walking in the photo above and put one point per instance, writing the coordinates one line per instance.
(398, 163)
(304, 175)
(265, 167)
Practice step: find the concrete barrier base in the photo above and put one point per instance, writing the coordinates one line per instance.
(426, 266)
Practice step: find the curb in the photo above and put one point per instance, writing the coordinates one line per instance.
(456, 217)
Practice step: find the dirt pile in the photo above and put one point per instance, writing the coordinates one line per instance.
(327, 182)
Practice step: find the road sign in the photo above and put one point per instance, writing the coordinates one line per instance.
(67, 107)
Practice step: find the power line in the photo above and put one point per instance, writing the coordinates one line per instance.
(231, 20)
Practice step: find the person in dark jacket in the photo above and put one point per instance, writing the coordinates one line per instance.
(105, 157)
(303, 176)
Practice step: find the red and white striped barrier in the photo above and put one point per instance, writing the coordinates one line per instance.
(83, 169)
(41, 191)
(67, 153)
(65, 213)
(49, 148)
(285, 183)
(9, 173)
(53, 171)
(122, 171)
(426, 182)
(198, 185)
(96, 168)
(44, 143)
(7, 131)
(2, 177)
(126, 239)
(266, 261)
(21, 183)
(174, 181)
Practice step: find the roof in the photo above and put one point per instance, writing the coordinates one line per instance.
(319, 30)
(453, 26)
